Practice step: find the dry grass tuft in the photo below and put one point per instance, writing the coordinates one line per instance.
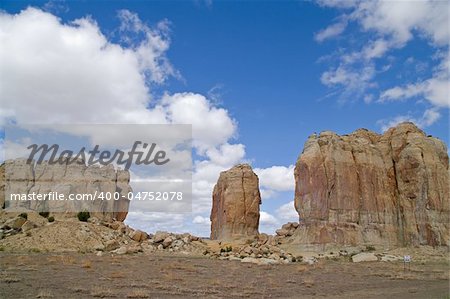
(102, 292)
(117, 274)
(44, 294)
(308, 282)
(301, 268)
(86, 264)
(138, 294)
(215, 282)
(9, 279)
(23, 260)
(78, 289)
(170, 276)
(67, 260)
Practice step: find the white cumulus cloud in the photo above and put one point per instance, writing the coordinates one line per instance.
(391, 25)
(287, 212)
(429, 117)
(331, 31)
(201, 220)
(277, 178)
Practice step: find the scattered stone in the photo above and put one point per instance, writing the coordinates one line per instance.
(364, 257)
(14, 223)
(134, 249)
(310, 260)
(266, 261)
(111, 245)
(282, 232)
(138, 235)
(115, 225)
(121, 250)
(167, 242)
(28, 225)
(99, 247)
(249, 260)
(160, 236)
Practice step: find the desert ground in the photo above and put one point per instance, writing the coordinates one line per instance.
(76, 275)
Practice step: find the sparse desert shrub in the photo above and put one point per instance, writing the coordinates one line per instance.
(226, 249)
(302, 268)
(67, 260)
(308, 282)
(117, 274)
(24, 215)
(78, 289)
(86, 264)
(102, 292)
(332, 258)
(2, 248)
(44, 214)
(83, 216)
(44, 294)
(370, 248)
(138, 294)
(35, 250)
(6, 278)
(51, 219)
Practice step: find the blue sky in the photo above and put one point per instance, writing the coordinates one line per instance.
(279, 70)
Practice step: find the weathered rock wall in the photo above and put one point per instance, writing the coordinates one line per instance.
(18, 177)
(365, 188)
(236, 200)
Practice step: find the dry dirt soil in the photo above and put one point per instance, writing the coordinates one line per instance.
(51, 275)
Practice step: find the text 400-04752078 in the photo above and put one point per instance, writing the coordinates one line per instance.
(157, 196)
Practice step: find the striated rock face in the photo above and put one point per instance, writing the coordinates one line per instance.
(366, 188)
(236, 200)
(18, 177)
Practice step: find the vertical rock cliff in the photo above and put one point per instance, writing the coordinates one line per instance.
(365, 188)
(236, 200)
(18, 177)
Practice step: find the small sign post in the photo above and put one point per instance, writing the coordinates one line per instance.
(406, 260)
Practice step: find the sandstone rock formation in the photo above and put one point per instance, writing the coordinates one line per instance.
(236, 200)
(18, 177)
(365, 188)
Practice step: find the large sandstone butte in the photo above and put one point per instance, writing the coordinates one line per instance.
(365, 188)
(236, 200)
(19, 177)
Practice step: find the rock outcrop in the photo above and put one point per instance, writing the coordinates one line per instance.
(365, 188)
(236, 200)
(18, 177)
